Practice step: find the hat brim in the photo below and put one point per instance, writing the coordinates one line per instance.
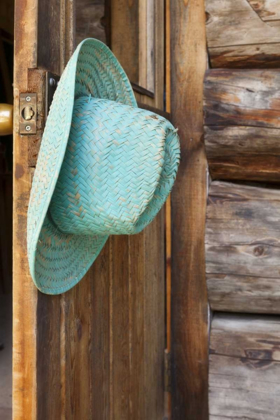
(58, 260)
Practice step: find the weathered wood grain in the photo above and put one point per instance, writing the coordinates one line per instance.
(242, 97)
(250, 56)
(107, 319)
(48, 35)
(189, 356)
(37, 365)
(267, 10)
(49, 401)
(120, 328)
(251, 336)
(244, 367)
(67, 31)
(241, 33)
(241, 116)
(243, 153)
(233, 293)
(124, 35)
(137, 324)
(168, 219)
(24, 292)
(100, 339)
(78, 350)
(154, 306)
(55, 44)
(147, 44)
(90, 20)
(236, 23)
(242, 248)
(83, 354)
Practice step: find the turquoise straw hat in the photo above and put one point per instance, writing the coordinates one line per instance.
(105, 167)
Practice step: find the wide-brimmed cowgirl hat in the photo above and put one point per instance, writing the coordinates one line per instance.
(105, 167)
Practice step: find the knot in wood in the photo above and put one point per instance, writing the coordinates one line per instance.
(258, 251)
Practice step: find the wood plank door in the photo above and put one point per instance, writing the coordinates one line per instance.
(95, 352)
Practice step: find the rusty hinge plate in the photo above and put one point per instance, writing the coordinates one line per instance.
(167, 371)
(28, 113)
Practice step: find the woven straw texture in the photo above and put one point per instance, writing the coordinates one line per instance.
(105, 167)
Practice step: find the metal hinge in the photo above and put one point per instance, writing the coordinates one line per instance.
(167, 371)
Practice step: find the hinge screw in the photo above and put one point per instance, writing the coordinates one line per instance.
(28, 128)
(52, 81)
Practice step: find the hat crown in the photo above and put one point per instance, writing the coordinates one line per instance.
(115, 158)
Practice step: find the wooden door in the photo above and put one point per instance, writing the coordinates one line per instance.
(95, 352)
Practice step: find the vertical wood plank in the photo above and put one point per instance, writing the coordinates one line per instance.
(159, 55)
(67, 30)
(154, 331)
(39, 343)
(147, 23)
(136, 326)
(48, 357)
(54, 346)
(168, 217)
(91, 20)
(96, 301)
(120, 328)
(153, 257)
(77, 324)
(124, 35)
(189, 295)
(100, 334)
(137, 296)
(48, 21)
(24, 292)
(143, 42)
(151, 21)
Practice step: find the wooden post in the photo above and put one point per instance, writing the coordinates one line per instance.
(189, 295)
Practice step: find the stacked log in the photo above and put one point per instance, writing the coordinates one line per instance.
(243, 248)
(244, 378)
(242, 242)
(242, 124)
(243, 33)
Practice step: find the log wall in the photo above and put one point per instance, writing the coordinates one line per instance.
(242, 141)
(242, 124)
(243, 33)
(243, 248)
(244, 377)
